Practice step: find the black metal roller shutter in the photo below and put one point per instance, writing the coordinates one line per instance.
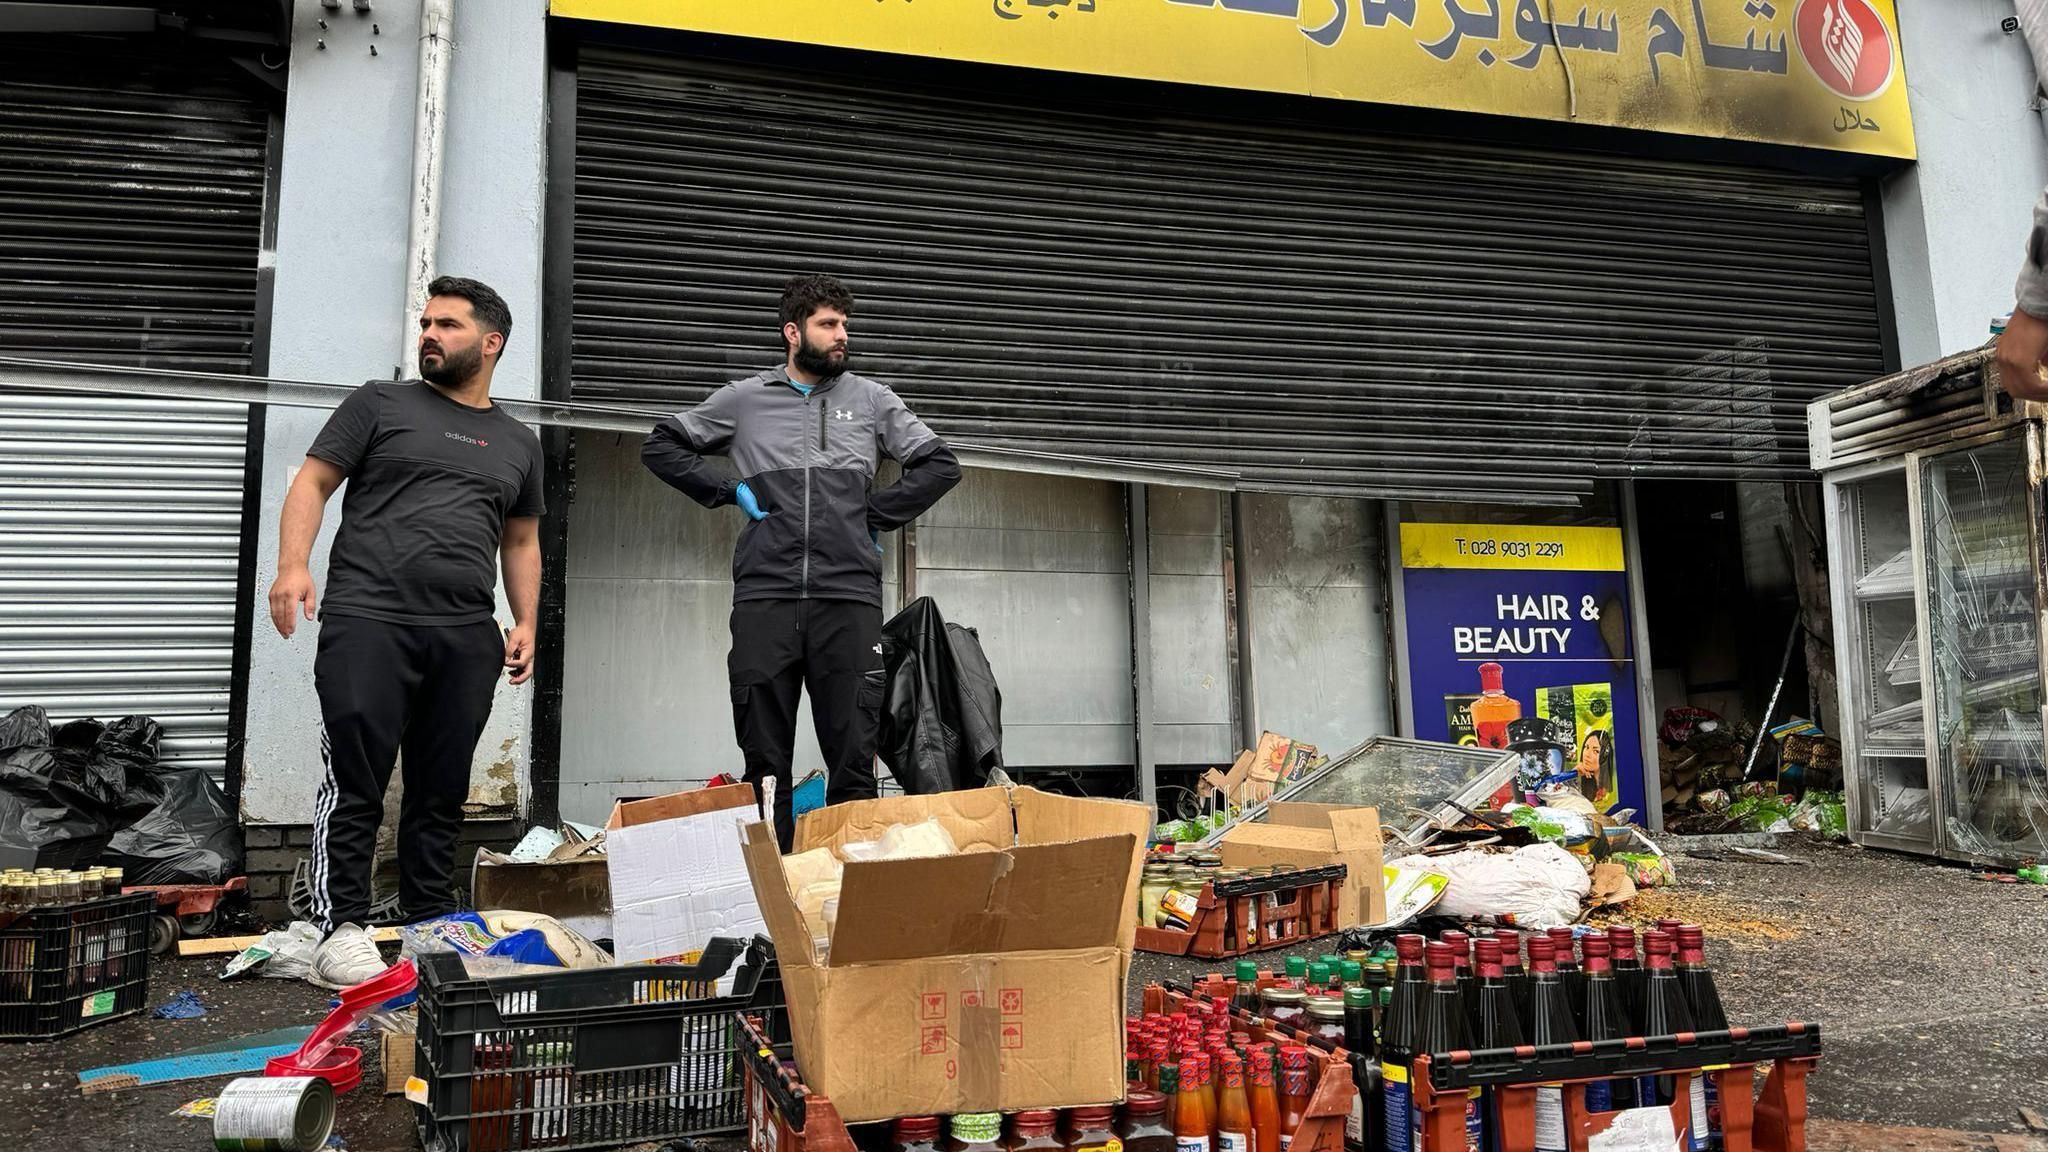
(131, 202)
(1323, 311)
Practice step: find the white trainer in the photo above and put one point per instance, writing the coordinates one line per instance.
(346, 958)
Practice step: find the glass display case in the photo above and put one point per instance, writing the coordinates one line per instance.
(1411, 782)
(1936, 571)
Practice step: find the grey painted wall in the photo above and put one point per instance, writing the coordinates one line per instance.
(1190, 657)
(1038, 565)
(1318, 617)
(1956, 221)
(338, 307)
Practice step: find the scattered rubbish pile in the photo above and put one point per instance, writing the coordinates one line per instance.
(596, 997)
(1720, 781)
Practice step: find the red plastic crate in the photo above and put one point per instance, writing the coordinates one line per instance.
(1237, 917)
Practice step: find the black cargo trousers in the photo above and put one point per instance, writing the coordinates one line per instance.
(834, 649)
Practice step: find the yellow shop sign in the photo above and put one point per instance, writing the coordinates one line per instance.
(1811, 73)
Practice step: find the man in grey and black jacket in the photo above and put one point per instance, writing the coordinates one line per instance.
(804, 440)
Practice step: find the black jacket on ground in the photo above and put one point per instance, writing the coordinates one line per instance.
(942, 714)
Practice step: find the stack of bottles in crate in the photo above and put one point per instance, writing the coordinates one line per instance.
(1499, 991)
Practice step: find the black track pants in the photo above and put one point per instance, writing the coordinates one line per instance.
(831, 647)
(385, 689)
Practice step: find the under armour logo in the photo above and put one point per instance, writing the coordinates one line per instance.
(878, 649)
(842, 413)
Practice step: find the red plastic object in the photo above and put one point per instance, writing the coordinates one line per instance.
(190, 899)
(339, 1064)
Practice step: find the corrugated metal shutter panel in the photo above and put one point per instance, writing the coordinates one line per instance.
(1324, 310)
(131, 194)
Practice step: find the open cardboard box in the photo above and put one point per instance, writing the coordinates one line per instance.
(991, 980)
(577, 890)
(1295, 835)
(678, 877)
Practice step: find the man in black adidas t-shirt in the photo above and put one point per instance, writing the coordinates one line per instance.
(442, 487)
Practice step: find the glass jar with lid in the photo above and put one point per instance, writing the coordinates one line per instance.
(915, 1134)
(1287, 1007)
(1144, 1127)
(1326, 1019)
(975, 1132)
(1035, 1131)
(1091, 1129)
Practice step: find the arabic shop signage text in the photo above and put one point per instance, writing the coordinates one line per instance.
(1812, 73)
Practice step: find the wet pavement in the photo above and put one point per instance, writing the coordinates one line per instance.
(41, 1108)
(1931, 989)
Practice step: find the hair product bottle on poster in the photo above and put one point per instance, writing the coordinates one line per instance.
(1494, 709)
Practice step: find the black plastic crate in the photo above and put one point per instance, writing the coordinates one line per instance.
(74, 966)
(589, 1059)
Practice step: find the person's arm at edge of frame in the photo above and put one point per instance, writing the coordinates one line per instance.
(2024, 345)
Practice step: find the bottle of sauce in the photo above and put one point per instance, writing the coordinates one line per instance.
(1294, 1092)
(1035, 1131)
(1233, 1109)
(1144, 1127)
(1318, 977)
(1400, 1031)
(1468, 992)
(1297, 971)
(1247, 998)
(1666, 1013)
(1191, 1125)
(1205, 1083)
(1494, 709)
(1628, 977)
(1353, 973)
(1604, 1021)
(1550, 1022)
(1707, 1016)
(1265, 1104)
(1569, 973)
(1511, 967)
(976, 1132)
(1444, 1030)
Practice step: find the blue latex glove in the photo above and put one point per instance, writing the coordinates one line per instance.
(875, 535)
(744, 497)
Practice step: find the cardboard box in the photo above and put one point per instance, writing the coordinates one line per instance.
(991, 980)
(678, 873)
(1299, 835)
(399, 1049)
(578, 891)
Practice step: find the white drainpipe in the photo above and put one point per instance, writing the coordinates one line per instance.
(430, 129)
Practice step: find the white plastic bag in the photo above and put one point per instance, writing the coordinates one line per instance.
(285, 954)
(903, 842)
(1537, 886)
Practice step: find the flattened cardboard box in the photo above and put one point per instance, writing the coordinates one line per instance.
(992, 980)
(678, 874)
(1310, 835)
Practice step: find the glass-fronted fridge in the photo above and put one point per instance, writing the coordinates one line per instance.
(1935, 515)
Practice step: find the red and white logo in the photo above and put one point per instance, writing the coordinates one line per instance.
(1846, 44)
